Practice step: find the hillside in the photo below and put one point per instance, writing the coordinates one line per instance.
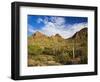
(55, 50)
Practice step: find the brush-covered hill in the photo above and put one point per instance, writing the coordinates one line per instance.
(55, 50)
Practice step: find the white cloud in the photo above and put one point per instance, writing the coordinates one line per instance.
(30, 29)
(39, 20)
(46, 20)
(65, 32)
(58, 21)
(56, 25)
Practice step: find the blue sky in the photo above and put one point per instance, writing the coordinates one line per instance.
(66, 26)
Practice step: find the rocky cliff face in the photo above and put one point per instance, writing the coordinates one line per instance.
(80, 35)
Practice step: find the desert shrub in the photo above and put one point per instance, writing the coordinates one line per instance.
(34, 50)
(82, 53)
(48, 51)
(51, 51)
(63, 58)
(41, 60)
(84, 60)
(83, 44)
(70, 53)
(78, 53)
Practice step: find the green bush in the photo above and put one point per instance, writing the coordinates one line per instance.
(48, 51)
(63, 58)
(34, 49)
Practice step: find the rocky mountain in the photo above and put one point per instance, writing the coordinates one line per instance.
(38, 35)
(80, 35)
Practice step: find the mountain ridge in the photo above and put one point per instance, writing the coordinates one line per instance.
(79, 33)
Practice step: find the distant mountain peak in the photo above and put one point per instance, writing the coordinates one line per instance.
(57, 35)
(38, 34)
(80, 34)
